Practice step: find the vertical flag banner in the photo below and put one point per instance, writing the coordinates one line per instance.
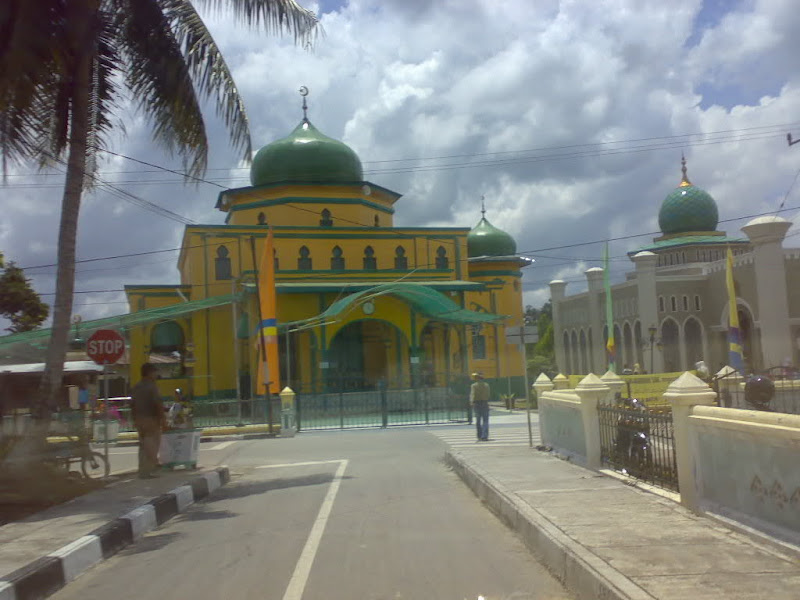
(611, 347)
(268, 366)
(735, 354)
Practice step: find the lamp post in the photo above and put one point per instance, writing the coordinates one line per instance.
(652, 331)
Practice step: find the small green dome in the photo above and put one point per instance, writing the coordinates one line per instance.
(688, 208)
(306, 155)
(487, 240)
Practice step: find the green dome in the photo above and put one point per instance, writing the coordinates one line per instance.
(688, 208)
(487, 240)
(306, 155)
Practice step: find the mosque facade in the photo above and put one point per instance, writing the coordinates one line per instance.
(672, 309)
(360, 303)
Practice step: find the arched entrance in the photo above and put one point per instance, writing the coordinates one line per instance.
(693, 339)
(747, 330)
(670, 338)
(628, 357)
(366, 352)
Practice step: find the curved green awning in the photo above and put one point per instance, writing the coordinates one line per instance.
(424, 300)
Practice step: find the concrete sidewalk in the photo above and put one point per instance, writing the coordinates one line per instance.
(605, 539)
(46, 550)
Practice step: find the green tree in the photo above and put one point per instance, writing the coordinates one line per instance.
(65, 65)
(19, 303)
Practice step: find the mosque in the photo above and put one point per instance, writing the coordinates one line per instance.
(672, 310)
(360, 303)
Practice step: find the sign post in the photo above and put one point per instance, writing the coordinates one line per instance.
(105, 347)
(526, 334)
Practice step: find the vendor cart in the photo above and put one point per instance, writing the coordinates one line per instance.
(179, 448)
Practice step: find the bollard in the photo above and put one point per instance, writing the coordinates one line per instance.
(288, 427)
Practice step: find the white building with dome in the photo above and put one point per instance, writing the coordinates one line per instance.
(672, 309)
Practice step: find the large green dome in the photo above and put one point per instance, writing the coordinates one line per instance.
(487, 240)
(306, 155)
(688, 208)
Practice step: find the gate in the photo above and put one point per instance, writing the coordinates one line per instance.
(639, 441)
(380, 408)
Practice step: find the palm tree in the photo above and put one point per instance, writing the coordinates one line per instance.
(64, 65)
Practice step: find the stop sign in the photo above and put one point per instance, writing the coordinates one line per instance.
(105, 346)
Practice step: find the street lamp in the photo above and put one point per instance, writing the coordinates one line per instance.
(652, 330)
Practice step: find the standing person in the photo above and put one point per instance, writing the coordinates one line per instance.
(479, 399)
(148, 417)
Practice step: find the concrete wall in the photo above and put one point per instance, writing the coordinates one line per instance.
(745, 465)
(562, 425)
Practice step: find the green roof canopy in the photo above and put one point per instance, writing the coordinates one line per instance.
(129, 320)
(426, 301)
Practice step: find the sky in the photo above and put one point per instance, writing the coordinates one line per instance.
(569, 118)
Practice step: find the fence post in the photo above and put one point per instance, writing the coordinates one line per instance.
(591, 390)
(686, 391)
(613, 381)
(728, 382)
(560, 382)
(540, 386)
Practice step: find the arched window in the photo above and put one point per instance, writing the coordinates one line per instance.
(326, 220)
(262, 218)
(222, 264)
(400, 259)
(370, 263)
(686, 303)
(442, 262)
(377, 221)
(697, 305)
(661, 304)
(673, 302)
(337, 260)
(304, 260)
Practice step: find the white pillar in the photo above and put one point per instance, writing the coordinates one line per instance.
(767, 235)
(648, 305)
(540, 386)
(685, 392)
(557, 290)
(729, 380)
(560, 382)
(615, 384)
(594, 279)
(591, 390)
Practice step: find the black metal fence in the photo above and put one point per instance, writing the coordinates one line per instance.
(639, 442)
(773, 390)
(381, 408)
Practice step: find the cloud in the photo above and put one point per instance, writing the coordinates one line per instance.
(517, 95)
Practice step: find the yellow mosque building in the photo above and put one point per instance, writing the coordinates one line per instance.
(361, 304)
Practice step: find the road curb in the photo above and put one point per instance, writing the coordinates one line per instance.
(205, 439)
(48, 574)
(578, 569)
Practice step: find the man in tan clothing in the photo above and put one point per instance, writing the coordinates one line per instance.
(149, 418)
(479, 395)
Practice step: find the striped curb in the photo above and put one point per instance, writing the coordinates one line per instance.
(48, 574)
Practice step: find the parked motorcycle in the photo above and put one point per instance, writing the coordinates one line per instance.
(632, 442)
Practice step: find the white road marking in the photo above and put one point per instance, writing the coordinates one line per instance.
(297, 584)
(502, 437)
(300, 464)
(220, 446)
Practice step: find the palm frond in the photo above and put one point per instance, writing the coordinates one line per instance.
(209, 70)
(274, 15)
(160, 80)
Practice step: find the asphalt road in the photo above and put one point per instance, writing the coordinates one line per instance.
(364, 514)
(126, 458)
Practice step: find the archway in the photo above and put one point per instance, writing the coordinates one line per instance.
(627, 347)
(575, 361)
(693, 341)
(670, 338)
(366, 352)
(584, 358)
(747, 330)
(640, 342)
(567, 355)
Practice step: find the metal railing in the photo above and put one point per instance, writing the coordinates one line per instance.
(380, 408)
(639, 442)
(781, 393)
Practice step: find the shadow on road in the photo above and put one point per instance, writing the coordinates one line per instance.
(249, 488)
(205, 515)
(148, 543)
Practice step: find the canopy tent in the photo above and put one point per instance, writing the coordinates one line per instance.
(126, 321)
(421, 298)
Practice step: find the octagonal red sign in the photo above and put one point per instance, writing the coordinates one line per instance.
(105, 346)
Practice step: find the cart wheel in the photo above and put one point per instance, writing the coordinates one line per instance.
(94, 465)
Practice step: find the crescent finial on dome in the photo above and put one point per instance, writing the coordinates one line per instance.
(685, 179)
